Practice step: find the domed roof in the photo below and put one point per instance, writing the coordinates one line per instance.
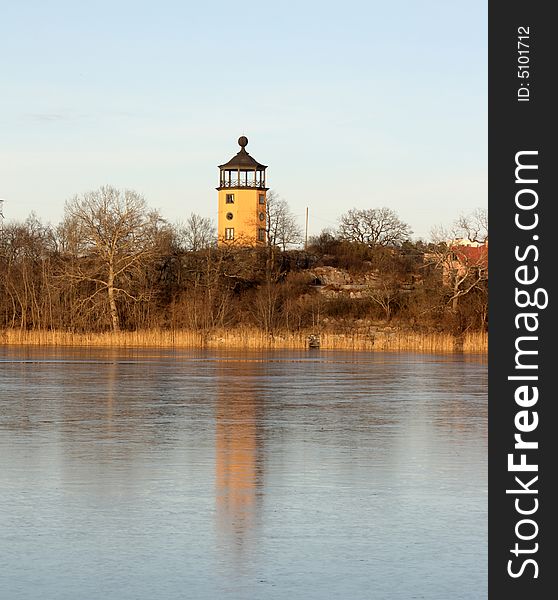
(242, 160)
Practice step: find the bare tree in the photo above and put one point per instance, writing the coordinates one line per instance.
(373, 227)
(25, 261)
(385, 294)
(197, 233)
(282, 228)
(111, 234)
(473, 227)
(461, 255)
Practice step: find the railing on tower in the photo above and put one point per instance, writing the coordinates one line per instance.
(235, 183)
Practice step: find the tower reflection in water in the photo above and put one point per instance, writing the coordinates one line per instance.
(239, 453)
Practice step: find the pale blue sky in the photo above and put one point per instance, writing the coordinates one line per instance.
(351, 104)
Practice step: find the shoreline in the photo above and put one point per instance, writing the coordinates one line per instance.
(379, 341)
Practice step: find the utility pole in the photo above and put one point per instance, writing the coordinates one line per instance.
(306, 231)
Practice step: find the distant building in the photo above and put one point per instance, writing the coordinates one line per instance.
(242, 200)
(466, 242)
(467, 259)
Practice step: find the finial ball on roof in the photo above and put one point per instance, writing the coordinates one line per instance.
(242, 141)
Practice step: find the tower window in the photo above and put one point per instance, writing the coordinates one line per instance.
(261, 198)
(229, 233)
(261, 235)
(262, 216)
(229, 216)
(230, 199)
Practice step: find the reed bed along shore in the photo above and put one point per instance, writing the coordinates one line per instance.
(244, 338)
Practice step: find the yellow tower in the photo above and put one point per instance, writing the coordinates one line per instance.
(242, 200)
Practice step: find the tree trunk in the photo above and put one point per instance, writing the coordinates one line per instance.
(112, 302)
(455, 299)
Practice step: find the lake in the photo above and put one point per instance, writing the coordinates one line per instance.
(206, 474)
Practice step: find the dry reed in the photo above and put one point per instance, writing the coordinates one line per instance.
(393, 340)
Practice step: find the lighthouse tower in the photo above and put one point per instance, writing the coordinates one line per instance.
(242, 200)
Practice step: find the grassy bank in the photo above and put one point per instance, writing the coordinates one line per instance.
(254, 339)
